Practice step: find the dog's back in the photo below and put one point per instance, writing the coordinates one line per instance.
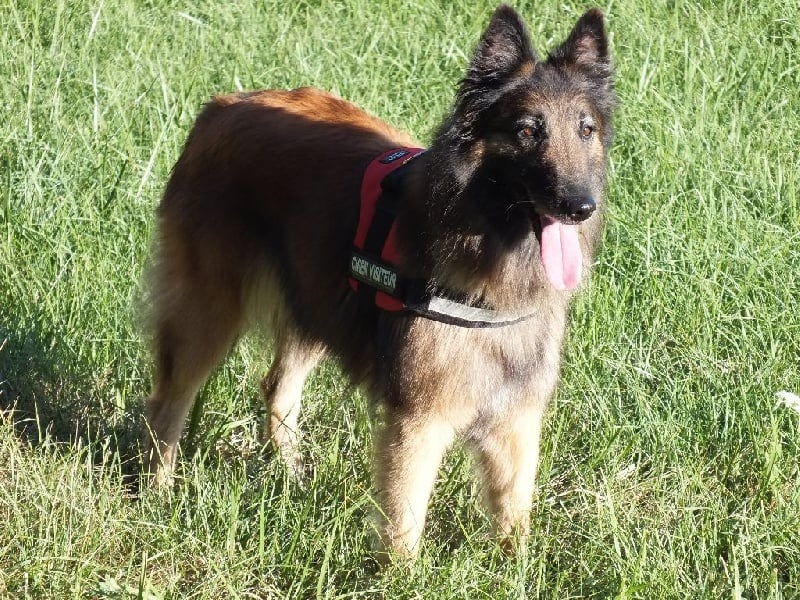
(247, 215)
(268, 172)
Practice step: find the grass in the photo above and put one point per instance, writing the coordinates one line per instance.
(668, 470)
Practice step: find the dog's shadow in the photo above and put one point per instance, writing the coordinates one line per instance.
(57, 394)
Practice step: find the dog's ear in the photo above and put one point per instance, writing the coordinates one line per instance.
(586, 46)
(503, 51)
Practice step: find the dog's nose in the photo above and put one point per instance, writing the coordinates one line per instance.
(581, 208)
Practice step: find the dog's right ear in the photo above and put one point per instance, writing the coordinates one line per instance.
(503, 51)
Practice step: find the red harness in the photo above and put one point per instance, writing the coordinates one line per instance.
(373, 264)
(374, 259)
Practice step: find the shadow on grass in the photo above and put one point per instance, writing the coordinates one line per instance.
(54, 392)
(80, 394)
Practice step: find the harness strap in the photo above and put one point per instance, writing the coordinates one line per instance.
(373, 271)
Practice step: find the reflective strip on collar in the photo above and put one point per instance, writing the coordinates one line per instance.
(463, 315)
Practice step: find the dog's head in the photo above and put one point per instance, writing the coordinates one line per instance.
(529, 137)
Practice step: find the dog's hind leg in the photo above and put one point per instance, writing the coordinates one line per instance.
(194, 328)
(282, 390)
(508, 455)
(407, 460)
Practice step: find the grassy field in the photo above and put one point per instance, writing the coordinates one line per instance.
(669, 468)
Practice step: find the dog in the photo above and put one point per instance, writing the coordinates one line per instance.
(451, 317)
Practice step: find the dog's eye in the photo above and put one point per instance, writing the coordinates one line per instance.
(586, 131)
(531, 130)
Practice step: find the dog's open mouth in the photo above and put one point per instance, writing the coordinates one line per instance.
(561, 254)
(560, 249)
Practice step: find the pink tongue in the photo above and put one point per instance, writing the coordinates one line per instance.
(561, 254)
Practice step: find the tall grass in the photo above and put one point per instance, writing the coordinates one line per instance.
(668, 469)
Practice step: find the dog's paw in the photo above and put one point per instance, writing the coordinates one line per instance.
(297, 471)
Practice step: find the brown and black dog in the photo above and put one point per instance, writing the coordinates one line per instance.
(502, 214)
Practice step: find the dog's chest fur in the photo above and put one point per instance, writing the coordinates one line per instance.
(473, 372)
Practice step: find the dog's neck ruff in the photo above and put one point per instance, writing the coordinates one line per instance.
(373, 263)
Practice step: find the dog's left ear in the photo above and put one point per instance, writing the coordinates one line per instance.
(586, 47)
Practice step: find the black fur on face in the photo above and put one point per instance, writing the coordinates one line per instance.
(527, 138)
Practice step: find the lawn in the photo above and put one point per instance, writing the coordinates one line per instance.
(670, 468)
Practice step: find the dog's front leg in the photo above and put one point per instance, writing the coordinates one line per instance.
(408, 456)
(508, 455)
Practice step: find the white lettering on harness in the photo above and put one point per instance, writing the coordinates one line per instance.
(374, 274)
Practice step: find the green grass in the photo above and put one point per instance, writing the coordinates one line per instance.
(668, 470)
